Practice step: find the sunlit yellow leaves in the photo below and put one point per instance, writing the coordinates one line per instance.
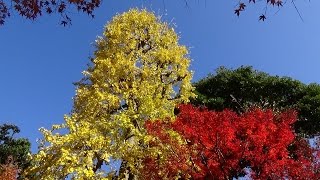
(139, 72)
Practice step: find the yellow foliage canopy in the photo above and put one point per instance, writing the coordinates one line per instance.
(139, 72)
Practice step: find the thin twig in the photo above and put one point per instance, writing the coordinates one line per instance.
(294, 4)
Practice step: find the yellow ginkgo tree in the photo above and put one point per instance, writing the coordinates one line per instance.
(139, 72)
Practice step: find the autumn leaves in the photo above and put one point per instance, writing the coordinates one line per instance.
(124, 111)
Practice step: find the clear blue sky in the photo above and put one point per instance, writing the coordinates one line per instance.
(40, 60)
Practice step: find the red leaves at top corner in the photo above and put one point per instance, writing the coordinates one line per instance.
(61, 7)
(4, 13)
(64, 23)
(262, 17)
(237, 12)
(33, 9)
(275, 2)
(66, 20)
(240, 8)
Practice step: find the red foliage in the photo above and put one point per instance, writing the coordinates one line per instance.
(31, 9)
(222, 145)
(8, 171)
(156, 168)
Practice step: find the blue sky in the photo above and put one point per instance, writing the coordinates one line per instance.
(40, 60)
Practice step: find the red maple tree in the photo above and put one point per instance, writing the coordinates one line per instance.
(224, 145)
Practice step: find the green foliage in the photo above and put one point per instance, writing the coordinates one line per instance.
(245, 87)
(309, 110)
(17, 148)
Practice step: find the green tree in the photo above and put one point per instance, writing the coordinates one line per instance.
(309, 110)
(16, 148)
(245, 87)
(139, 73)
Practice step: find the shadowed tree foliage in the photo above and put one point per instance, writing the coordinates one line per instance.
(245, 87)
(309, 110)
(15, 149)
(9, 170)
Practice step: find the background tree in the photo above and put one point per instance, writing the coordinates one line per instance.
(225, 145)
(245, 87)
(14, 149)
(309, 110)
(139, 72)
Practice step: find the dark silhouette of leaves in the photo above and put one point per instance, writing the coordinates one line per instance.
(36, 8)
(237, 12)
(278, 3)
(262, 17)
